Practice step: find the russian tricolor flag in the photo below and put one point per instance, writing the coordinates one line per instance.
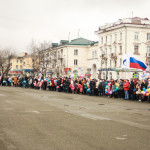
(132, 61)
(135, 63)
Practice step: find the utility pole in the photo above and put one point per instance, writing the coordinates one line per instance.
(132, 14)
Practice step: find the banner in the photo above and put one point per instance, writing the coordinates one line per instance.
(67, 70)
(126, 61)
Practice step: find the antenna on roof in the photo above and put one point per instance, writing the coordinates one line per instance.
(132, 14)
(78, 33)
(69, 36)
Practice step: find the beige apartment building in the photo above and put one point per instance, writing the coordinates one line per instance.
(22, 64)
(103, 59)
(17, 64)
(68, 58)
(130, 35)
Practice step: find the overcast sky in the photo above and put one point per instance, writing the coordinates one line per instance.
(52, 20)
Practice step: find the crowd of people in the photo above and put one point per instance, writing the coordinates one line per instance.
(133, 89)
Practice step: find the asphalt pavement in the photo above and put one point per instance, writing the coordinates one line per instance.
(45, 120)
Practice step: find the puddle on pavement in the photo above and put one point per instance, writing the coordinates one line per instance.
(101, 104)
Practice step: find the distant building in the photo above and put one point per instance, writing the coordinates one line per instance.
(17, 64)
(69, 58)
(22, 64)
(130, 35)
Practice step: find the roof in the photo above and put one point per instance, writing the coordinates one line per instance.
(126, 21)
(64, 42)
(78, 41)
(54, 44)
(81, 41)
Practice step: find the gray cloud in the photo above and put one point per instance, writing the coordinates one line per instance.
(52, 20)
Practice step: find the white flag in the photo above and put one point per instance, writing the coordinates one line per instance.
(126, 61)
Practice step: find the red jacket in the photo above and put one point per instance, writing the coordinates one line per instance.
(53, 84)
(126, 86)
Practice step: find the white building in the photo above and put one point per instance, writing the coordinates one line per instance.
(72, 57)
(102, 59)
(131, 35)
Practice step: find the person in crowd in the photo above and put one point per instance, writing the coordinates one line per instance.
(126, 89)
(138, 91)
(131, 89)
(121, 89)
(44, 84)
(59, 84)
(100, 88)
(15, 81)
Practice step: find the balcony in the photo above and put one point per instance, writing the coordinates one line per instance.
(103, 55)
(113, 56)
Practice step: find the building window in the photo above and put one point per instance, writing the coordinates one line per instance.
(110, 62)
(120, 61)
(92, 54)
(148, 62)
(120, 49)
(118, 77)
(102, 50)
(110, 75)
(120, 36)
(136, 35)
(110, 50)
(75, 62)
(17, 61)
(136, 49)
(106, 39)
(101, 40)
(95, 53)
(10, 64)
(76, 52)
(20, 61)
(16, 66)
(103, 75)
(115, 49)
(148, 49)
(20, 66)
(110, 38)
(148, 36)
(106, 51)
(115, 37)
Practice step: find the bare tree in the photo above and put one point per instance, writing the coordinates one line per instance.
(40, 56)
(5, 57)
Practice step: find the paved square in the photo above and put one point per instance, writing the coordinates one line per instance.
(43, 120)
